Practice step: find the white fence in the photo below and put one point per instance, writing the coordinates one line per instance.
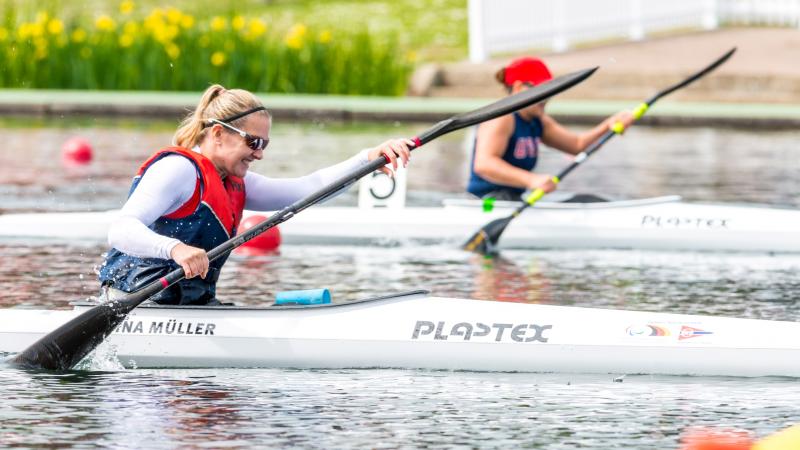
(515, 25)
(759, 12)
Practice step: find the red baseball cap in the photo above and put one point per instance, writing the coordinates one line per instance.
(527, 70)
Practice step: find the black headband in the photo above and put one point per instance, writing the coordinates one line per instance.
(240, 115)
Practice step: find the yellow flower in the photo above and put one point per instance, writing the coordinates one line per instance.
(105, 23)
(3, 34)
(155, 19)
(37, 30)
(24, 31)
(237, 23)
(173, 51)
(174, 15)
(126, 7)
(125, 40)
(40, 51)
(131, 28)
(166, 34)
(257, 28)
(299, 30)
(325, 37)
(42, 16)
(218, 59)
(154, 23)
(86, 52)
(55, 26)
(219, 23)
(294, 42)
(79, 35)
(30, 30)
(411, 56)
(296, 36)
(187, 21)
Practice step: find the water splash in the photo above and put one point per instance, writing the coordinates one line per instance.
(104, 358)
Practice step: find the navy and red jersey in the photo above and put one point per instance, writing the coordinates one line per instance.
(209, 218)
(522, 150)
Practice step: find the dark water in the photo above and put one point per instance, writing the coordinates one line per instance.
(115, 408)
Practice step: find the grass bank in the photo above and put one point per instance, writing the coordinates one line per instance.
(337, 47)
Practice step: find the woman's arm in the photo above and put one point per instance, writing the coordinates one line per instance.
(271, 194)
(167, 184)
(557, 136)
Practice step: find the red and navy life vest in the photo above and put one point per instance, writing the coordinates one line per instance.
(206, 220)
(522, 150)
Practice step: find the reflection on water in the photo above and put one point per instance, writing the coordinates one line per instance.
(118, 407)
(377, 409)
(46, 274)
(728, 284)
(504, 280)
(737, 285)
(701, 164)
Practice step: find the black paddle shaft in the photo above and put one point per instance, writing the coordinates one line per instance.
(68, 344)
(700, 74)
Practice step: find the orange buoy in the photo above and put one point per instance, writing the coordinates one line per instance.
(76, 151)
(264, 243)
(702, 438)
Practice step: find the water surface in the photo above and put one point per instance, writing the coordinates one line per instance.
(700, 164)
(246, 408)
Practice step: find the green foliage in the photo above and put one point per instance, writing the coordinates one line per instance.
(168, 49)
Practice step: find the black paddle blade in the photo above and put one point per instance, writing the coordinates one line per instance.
(484, 241)
(61, 349)
(507, 105)
(694, 77)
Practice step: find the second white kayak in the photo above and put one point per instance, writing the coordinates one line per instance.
(660, 223)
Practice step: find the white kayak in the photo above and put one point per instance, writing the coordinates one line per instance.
(661, 223)
(414, 330)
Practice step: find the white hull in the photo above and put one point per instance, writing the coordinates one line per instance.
(421, 332)
(663, 223)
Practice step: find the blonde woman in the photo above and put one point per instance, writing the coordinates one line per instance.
(188, 198)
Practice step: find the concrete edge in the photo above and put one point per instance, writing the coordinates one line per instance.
(174, 105)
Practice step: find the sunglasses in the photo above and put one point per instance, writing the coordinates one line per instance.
(255, 143)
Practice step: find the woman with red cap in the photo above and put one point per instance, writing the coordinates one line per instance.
(506, 148)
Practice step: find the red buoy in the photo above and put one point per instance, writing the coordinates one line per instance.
(265, 243)
(76, 151)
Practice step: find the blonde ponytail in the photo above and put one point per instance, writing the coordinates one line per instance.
(216, 103)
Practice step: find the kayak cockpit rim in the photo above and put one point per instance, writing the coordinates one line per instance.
(406, 295)
(470, 203)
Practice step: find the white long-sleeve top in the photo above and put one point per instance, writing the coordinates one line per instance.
(170, 182)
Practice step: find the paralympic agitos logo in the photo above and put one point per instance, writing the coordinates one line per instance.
(466, 331)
